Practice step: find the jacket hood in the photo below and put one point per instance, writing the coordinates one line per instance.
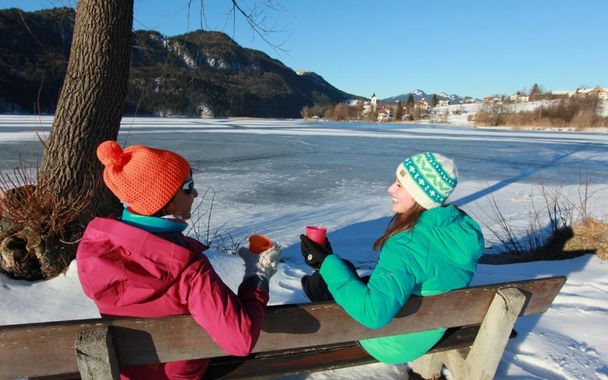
(121, 265)
(455, 234)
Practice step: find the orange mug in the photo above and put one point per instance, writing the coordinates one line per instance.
(259, 243)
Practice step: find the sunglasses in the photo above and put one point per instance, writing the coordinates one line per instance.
(188, 186)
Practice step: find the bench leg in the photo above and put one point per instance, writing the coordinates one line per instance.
(482, 360)
(95, 355)
(427, 366)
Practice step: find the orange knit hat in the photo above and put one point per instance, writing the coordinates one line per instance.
(144, 178)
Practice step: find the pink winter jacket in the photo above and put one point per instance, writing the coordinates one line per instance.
(130, 272)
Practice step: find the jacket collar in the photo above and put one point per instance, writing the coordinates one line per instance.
(439, 215)
(153, 224)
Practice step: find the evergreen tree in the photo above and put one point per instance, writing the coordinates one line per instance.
(409, 104)
(434, 100)
(535, 92)
(399, 111)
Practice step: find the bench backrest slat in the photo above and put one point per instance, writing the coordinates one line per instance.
(48, 348)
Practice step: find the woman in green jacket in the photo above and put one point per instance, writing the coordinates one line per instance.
(428, 248)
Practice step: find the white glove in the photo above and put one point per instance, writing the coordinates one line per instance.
(263, 264)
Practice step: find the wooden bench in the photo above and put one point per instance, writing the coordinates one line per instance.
(294, 338)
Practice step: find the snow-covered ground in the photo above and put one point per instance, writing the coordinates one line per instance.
(460, 114)
(277, 176)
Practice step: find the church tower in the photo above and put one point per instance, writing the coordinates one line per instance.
(374, 102)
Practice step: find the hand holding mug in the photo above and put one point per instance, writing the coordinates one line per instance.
(314, 253)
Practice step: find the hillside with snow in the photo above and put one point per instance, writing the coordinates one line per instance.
(419, 94)
(463, 114)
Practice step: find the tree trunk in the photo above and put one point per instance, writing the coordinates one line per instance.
(68, 192)
(91, 102)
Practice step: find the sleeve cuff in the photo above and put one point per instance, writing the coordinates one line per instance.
(257, 282)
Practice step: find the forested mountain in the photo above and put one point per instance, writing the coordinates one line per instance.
(196, 74)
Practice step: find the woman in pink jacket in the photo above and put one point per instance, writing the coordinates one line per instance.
(144, 266)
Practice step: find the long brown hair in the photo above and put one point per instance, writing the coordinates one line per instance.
(400, 223)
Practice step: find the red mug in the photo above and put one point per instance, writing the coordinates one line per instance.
(316, 234)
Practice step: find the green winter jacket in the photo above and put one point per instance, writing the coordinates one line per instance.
(438, 255)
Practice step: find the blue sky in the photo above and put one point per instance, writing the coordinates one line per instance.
(474, 48)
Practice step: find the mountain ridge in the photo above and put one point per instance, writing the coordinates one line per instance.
(418, 94)
(200, 73)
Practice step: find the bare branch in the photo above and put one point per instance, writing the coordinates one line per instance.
(252, 17)
(31, 33)
(257, 18)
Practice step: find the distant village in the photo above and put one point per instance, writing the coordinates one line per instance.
(427, 106)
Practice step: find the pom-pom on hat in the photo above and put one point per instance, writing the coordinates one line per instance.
(144, 178)
(428, 177)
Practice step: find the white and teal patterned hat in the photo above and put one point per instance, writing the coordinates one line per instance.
(430, 178)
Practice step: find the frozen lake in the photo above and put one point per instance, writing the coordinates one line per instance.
(299, 172)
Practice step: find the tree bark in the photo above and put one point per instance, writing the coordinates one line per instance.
(91, 102)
